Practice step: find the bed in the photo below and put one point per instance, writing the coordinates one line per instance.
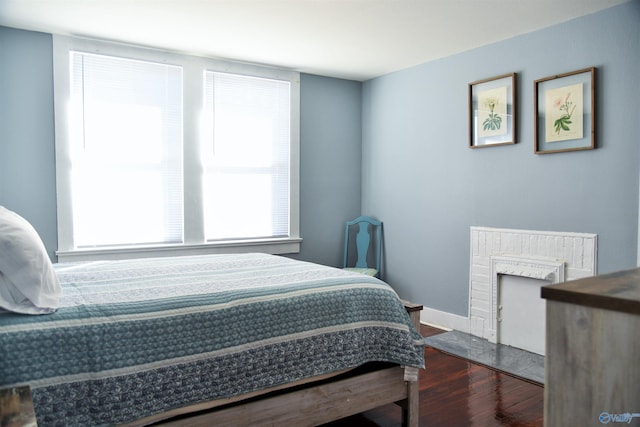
(242, 339)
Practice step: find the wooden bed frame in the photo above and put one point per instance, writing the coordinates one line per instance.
(310, 402)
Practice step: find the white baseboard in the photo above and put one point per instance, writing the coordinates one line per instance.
(444, 320)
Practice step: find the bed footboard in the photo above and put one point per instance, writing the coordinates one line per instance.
(317, 404)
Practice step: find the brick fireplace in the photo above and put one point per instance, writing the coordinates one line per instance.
(548, 256)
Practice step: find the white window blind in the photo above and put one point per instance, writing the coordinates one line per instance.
(126, 151)
(245, 153)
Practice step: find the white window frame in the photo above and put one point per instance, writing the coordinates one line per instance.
(193, 69)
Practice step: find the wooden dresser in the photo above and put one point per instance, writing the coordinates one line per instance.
(592, 366)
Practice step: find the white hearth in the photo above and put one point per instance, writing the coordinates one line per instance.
(537, 256)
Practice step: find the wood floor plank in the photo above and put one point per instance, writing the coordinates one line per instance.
(457, 393)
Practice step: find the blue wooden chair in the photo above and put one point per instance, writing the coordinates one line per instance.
(367, 243)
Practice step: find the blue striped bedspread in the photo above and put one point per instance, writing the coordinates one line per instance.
(134, 338)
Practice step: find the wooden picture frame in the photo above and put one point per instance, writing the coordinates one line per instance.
(492, 111)
(564, 112)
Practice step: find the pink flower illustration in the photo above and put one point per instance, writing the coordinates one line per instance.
(562, 124)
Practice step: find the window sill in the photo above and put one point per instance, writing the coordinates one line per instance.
(271, 246)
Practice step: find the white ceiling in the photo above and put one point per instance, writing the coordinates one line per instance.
(353, 39)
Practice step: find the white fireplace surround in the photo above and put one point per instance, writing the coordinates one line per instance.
(546, 255)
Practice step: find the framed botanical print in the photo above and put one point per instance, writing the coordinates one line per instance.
(565, 112)
(492, 111)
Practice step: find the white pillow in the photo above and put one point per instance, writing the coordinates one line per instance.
(28, 282)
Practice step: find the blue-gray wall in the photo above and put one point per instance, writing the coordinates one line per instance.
(422, 180)
(27, 165)
(330, 139)
(330, 165)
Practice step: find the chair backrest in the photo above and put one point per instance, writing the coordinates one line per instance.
(368, 237)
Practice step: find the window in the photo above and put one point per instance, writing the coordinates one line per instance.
(246, 156)
(126, 149)
(158, 153)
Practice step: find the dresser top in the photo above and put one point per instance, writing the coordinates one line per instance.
(618, 291)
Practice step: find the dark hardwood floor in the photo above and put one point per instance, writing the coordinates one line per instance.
(457, 393)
